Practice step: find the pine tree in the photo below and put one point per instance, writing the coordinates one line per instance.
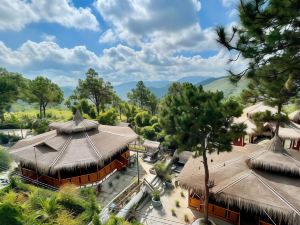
(201, 122)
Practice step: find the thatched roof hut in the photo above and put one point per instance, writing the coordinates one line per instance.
(237, 184)
(151, 144)
(295, 116)
(287, 130)
(276, 159)
(182, 156)
(249, 112)
(73, 144)
(257, 108)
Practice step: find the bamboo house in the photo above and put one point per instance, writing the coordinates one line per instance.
(79, 151)
(258, 184)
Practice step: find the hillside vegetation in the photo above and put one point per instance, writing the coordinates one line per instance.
(228, 88)
(22, 203)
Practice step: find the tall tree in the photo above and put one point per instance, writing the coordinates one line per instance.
(13, 86)
(269, 31)
(140, 95)
(43, 91)
(273, 88)
(269, 37)
(200, 121)
(130, 112)
(152, 103)
(95, 89)
(118, 104)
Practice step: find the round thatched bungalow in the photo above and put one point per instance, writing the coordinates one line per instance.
(287, 131)
(79, 151)
(258, 185)
(247, 118)
(295, 116)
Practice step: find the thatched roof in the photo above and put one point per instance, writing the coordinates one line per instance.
(295, 116)
(251, 128)
(182, 156)
(257, 108)
(78, 124)
(151, 144)
(248, 114)
(59, 150)
(236, 184)
(276, 159)
(288, 130)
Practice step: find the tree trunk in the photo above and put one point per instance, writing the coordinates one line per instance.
(41, 113)
(279, 106)
(206, 187)
(120, 112)
(44, 110)
(98, 110)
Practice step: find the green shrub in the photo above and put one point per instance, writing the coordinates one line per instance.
(91, 206)
(96, 220)
(70, 200)
(66, 218)
(156, 195)
(161, 170)
(41, 126)
(186, 218)
(4, 160)
(173, 212)
(109, 117)
(168, 178)
(4, 139)
(177, 203)
(142, 119)
(149, 133)
(157, 127)
(153, 120)
(10, 214)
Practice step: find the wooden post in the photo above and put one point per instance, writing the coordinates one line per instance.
(138, 169)
(97, 172)
(80, 176)
(59, 177)
(36, 170)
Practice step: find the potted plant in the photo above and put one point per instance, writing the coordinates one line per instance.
(156, 198)
(168, 181)
(200, 221)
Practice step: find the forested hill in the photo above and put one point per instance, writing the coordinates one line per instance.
(209, 83)
(228, 88)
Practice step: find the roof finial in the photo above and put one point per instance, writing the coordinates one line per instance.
(276, 145)
(77, 117)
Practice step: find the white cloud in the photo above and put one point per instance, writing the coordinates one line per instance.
(46, 55)
(139, 22)
(108, 36)
(228, 3)
(16, 14)
(116, 64)
(48, 37)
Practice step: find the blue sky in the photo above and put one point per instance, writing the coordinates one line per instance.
(124, 40)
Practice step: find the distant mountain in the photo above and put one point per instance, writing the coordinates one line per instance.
(209, 80)
(194, 79)
(160, 88)
(157, 87)
(228, 88)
